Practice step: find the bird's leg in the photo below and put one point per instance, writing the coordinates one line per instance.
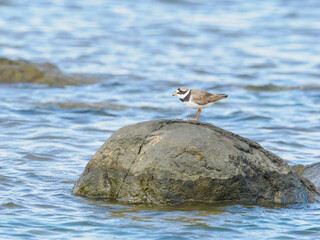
(199, 111)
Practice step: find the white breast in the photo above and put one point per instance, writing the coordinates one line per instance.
(193, 105)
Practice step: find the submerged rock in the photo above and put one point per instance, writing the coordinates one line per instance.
(46, 73)
(172, 161)
(97, 106)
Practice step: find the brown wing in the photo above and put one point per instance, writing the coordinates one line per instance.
(203, 97)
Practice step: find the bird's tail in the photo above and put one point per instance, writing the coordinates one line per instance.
(217, 96)
(223, 96)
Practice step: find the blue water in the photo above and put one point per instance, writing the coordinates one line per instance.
(264, 55)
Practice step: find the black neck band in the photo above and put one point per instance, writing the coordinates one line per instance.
(187, 98)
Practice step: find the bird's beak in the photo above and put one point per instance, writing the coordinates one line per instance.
(174, 94)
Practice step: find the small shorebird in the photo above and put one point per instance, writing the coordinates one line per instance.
(197, 99)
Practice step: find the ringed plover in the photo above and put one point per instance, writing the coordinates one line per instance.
(197, 99)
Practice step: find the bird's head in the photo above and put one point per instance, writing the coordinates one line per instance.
(181, 92)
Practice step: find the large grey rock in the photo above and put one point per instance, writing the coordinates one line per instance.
(171, 161)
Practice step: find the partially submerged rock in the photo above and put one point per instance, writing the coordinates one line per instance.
(46, 73)
(172, 161)
(310, 172)
(13, 71)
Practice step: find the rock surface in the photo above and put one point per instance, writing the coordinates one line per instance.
(172, 161)
(310, 172)
(23, 71)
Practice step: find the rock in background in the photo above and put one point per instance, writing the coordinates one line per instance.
(45, 73)
(172, 161)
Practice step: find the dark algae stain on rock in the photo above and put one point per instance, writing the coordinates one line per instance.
(174, 161)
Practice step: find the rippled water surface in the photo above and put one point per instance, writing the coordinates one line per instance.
(264, 54)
